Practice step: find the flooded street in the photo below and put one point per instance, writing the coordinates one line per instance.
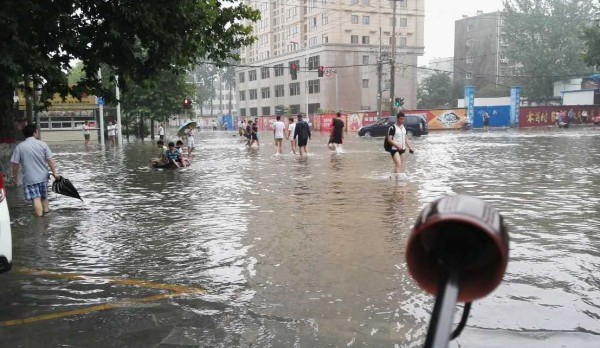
(249, 249)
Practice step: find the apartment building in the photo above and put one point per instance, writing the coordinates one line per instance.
(347, 37)
(479, 51)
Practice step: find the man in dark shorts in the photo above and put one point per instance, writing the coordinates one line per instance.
(396, 142)
(302, 133)
(248, 133)
(338, 131)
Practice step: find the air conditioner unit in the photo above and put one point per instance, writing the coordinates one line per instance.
(503, 60)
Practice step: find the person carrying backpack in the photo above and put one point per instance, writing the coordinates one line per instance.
(302, 132)
(396, 142)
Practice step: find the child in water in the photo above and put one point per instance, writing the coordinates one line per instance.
(179, 147)
(174, 156)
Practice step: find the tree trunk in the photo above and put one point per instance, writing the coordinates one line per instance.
(127, 125)
(141, 126)
(220, 96)
(230, 98)
(152, 128)
(28, 102)
(211, 107)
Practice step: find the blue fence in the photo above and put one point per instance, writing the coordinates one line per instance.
(228, 120)
(499, 116)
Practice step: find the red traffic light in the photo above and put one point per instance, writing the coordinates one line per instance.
(187, 103)
(321, 71)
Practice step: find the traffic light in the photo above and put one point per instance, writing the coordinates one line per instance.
(294, 70)
(399, 102)
(321, 71)
(187, 103)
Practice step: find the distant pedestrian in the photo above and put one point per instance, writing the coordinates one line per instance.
(112, 132)
(278, 133)
(338, 131)
(86, 131)
(584, 116)
(396, 142)
(191, 142)
(290, 134)
(214, 125)
(571, 116)
(486, 121)
(161, 132)
(35, 157)
(248, 133)
(254, 135)
(241, 126)
(302, 133)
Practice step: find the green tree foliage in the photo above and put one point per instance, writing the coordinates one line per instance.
(137, 39)
(543, 36)
(435, 92)
(591, 37)
(204, 77)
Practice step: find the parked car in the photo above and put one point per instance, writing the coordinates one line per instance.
(415, 125)
(5, 233)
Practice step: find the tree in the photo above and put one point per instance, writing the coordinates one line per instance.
(136, 38)
(435, 92)
(204, 79)
(591, 37)
(229, 78)
(544, 41)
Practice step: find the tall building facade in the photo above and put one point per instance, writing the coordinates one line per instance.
(219, 105)
(347, 37)
(480, 47)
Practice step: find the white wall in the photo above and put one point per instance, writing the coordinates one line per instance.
(487, 101)
(571, 85)
(582, 97)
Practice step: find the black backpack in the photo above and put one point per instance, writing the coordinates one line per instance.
(386, 144)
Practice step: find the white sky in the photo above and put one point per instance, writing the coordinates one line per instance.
(439, 23)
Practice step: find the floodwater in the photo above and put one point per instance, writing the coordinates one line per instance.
(298, 253)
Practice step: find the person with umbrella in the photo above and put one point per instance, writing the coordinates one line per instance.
(187, 130)
(35, 157)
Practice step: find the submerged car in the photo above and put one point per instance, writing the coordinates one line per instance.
(5, 233)
(415, 125)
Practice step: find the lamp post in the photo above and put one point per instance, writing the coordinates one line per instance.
(306, 73)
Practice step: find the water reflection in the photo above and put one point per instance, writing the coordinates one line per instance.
(311, 252)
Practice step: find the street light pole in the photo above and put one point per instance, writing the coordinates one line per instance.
(393, 62)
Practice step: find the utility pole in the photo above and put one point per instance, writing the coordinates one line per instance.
(393, 60)
(379, 69)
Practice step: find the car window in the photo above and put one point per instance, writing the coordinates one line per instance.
(383, 121)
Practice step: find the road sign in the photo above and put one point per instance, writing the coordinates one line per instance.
(330, 72)
(100, 100)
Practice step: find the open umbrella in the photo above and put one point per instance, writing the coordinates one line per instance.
(63, 186)
(181, 130)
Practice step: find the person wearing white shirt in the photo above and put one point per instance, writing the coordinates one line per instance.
(112, 132)
(278, 133)
(290, 134)
(161, 132)
(396, 142)
(86, 131)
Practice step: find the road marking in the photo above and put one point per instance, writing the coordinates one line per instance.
(175, 290)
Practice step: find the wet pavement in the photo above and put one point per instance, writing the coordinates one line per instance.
(249, 249)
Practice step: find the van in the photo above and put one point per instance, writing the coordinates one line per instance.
(415, 125)
(5, 233)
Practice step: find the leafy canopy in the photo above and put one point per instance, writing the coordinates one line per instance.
(543, 37)
(435, 92)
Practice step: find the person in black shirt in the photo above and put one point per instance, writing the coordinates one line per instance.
(248, 133)
(338, 131)
(302, 132)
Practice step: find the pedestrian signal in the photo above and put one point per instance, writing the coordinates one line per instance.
(294, 71)
(321, 71)
(399, 102)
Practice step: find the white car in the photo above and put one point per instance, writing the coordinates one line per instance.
(5, 234)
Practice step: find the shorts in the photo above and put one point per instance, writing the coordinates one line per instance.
(337, 138)
(254, 137)
(302, 141)
(33, 191)
(162, 137)
(86, 136)
(394, 151)
(191, 142)
(278, 140)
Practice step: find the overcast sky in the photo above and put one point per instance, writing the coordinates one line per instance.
(439, 23)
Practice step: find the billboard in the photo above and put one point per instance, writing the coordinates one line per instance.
(536, 116)
(442, 118)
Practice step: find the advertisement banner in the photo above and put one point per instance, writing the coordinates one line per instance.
(536, 116)
(499, 116)
(442, 118)
(515, 102)
(470, 102)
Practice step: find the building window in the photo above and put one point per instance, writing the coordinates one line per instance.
(241, 77)
(403, 22)
(313, 62)
(312, 41)
(265, 92)
(324, 39)
(278, 70)
(242, 95)
(402, 3)
(295, 109)
(470, 43)
(266, 111)
(279, 91)
(402, 41)
(253, 111)
(253, 94)
(252, 75)
(365, 40)
(243, 112)
(312, 24)
(365, 60)
(365, 83)
(469, 60)
(324, 19)
(354, 39)
(366, 20)
(313, 108)
(469, 75)
(469, 28)
(366, 2)
(314, 86)
(353, 2)
(295, 88)
(354, 19)
(312, 5)
(264, 73)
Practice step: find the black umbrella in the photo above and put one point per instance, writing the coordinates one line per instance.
(64, 186)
